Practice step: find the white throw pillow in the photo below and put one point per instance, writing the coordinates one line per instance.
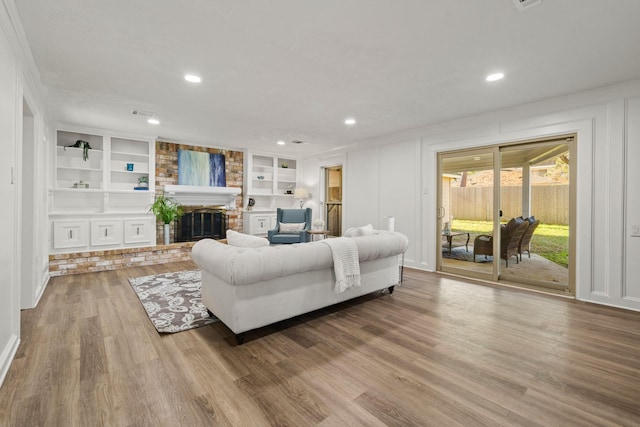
(291, 227)
(245, 240)
(351, 232)
(365, 230)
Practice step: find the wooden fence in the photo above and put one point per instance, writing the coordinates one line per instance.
(549, 203)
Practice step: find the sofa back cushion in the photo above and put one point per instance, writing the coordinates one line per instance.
(242, 266)
(242, 240)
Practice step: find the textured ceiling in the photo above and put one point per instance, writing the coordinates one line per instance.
(295, 69)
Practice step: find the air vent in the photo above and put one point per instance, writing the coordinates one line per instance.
(525, 4)
(141, 113)
(297, 141)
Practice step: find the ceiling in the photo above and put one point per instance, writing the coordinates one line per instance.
(295, 69)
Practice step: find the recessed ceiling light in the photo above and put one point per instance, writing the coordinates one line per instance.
(350, 122)
(495, 77)
(153, 121)
(280, 142)
(192, 78)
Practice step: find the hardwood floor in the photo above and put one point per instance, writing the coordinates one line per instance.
(439, 351)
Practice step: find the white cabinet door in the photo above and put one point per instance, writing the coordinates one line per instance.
(139, 230)
(273, 223)
(106, 232)
(69, 234)
(260, 224)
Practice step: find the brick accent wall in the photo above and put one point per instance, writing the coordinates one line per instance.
(167, 173)
(87, 262)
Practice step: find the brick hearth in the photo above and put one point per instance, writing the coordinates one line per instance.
(86, 262)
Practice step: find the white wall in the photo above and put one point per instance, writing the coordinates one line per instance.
(19, 82)
(396, 175)
(631, 286)
(10, 300)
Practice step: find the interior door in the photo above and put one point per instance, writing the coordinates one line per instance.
(333, 200)
(467, 214)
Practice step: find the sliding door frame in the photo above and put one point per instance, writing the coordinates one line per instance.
(570, 140)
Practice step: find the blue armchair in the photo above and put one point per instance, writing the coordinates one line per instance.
(291, 216)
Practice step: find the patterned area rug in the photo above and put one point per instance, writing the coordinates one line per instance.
(461, 254)
(173, 301)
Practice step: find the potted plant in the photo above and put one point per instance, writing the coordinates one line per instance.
(166, 209)
(143, 181)
(83, 145)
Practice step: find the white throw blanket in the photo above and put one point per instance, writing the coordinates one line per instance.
(345, 262)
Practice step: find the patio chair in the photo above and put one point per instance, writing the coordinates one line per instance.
(525, 241)
(482, 245)
(510, 235)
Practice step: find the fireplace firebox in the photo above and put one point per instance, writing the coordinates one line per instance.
(199, 223)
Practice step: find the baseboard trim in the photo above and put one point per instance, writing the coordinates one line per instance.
(7, 356)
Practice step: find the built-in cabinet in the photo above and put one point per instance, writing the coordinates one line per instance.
(259, 222)
(270, 181)
(101, 194)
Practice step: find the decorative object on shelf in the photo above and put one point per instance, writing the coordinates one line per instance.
(81, 144)
(301, 194)
(318, 224)
(166, 209)
(284, 165)
(80, 184)
(130, 167)
(251, 203)
(261, 177)
(143, 181)
(289, 189)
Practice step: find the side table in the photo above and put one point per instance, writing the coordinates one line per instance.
(315, 233)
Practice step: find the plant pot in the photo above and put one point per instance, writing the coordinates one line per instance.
(167, 234)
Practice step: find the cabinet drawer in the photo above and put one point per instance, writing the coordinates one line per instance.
(106, 232)
(68, 234)
(260, 224)
(139, 230)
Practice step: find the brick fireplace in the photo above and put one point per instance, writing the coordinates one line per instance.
(167, 175)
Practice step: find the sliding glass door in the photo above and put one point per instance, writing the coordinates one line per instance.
(535, 184)
(467, 213)
(505, 213)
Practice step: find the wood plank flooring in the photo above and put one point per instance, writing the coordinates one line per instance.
(439, 351)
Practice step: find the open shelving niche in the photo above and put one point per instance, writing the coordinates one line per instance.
(100, 192)
(267, 182)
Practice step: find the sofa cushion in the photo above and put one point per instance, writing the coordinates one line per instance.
(245, 240)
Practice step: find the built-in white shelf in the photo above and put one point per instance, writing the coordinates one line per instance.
(110, 201)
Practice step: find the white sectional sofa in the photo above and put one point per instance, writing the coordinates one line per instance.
(247, 288)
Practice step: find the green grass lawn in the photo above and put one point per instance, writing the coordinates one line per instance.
(550, 241)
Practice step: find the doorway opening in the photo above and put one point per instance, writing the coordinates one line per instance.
(506, 213)
(333, 200)
(28, 285)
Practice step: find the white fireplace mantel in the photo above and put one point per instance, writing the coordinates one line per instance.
(194, 195)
